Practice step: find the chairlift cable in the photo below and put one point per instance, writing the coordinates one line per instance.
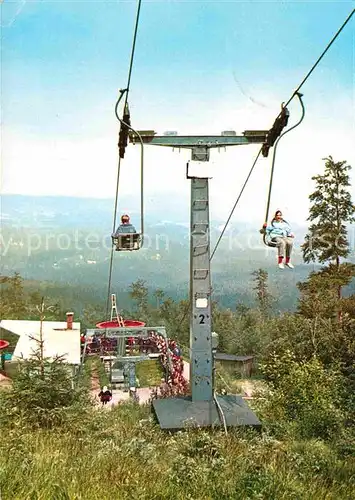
(142, 175)
(124, 92)
(296, 92)
(235, 204)
(321, 56)
(112, 247)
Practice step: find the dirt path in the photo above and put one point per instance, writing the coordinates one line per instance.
(117, 394)
(4, 380)
(94, 380)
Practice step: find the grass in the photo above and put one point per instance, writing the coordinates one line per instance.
(149, 373)
(123, 454)
(93, 365)
(226, 379)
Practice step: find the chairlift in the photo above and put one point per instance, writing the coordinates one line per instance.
(267, 238)
(269, 241)
(126, 238)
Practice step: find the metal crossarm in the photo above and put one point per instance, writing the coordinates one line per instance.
(132, 359)
(133, 331)
(190, 141)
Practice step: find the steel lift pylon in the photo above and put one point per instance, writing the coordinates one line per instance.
(203, 408)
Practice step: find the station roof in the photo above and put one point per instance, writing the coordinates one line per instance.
(220, 356)
(58, 339)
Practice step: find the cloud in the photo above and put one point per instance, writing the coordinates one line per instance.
(64, 165)
(79, 167)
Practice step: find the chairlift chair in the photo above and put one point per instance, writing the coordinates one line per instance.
(126, 238)
(279, 124)
(126, 241)
(268, 240)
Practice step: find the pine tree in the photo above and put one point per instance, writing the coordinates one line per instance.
(327, 241)
(262, 291)
(13, 301)
(92, 314)
(43, 392)
(139, 293)
(332, 208)
(159, 296)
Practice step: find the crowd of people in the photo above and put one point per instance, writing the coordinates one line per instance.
(174, 383)
(146, 345)
(98, 344)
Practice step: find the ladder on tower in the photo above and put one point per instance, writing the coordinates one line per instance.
(114, 312)
(121, 341)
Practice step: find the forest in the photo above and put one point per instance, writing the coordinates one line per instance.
(305, 396)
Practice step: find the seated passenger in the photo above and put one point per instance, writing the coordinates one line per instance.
(280, 232)
(125, 227)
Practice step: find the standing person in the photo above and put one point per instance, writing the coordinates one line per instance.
(280, 232)
(133, 394)
(105, 395)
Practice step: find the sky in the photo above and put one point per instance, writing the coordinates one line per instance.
(200, 67)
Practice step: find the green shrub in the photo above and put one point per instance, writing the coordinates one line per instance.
(304, 395)
(43, 394)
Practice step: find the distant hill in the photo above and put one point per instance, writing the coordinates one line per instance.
(67, 241)
(163, 212)
(62, 211)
